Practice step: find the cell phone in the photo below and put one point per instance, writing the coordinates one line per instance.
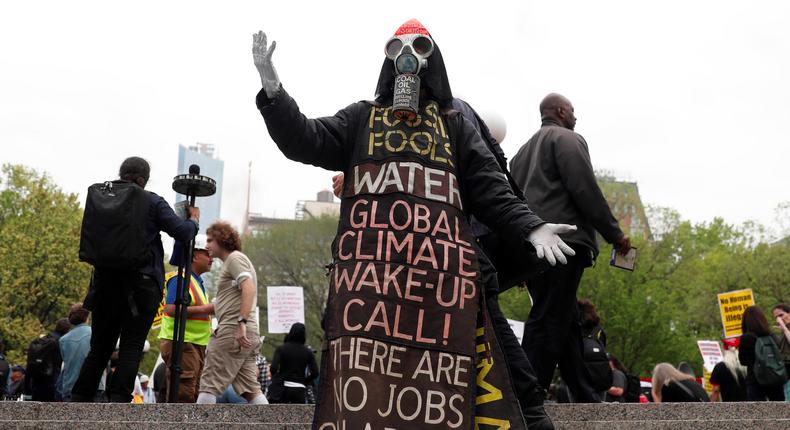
(627, 261)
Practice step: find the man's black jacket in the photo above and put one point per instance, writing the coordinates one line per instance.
(555, 172)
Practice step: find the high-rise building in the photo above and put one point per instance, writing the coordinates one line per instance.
(202, 154)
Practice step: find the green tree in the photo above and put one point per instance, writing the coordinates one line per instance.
(40, 275)
(659, 311)
(294, 253)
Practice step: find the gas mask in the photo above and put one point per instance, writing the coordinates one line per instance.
(409, 49)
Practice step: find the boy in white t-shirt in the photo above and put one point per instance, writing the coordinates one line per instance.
(231, 351)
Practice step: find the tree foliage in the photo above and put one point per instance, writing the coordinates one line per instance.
(659, 311)
(294, 253)
(654, 314)
(40, 275)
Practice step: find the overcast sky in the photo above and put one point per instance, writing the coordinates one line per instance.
(687, 98)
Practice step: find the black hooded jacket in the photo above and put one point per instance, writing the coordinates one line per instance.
(292, 360)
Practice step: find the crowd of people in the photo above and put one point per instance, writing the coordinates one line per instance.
(100, 361)
(747, 372)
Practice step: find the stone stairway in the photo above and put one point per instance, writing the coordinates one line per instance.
(673, 416)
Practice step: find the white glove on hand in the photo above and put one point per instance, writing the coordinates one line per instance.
(548, 244)
(262, 56)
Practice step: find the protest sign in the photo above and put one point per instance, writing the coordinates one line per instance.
(408, 345)
(518, 328)
(731, 305)
(285, 306)
(711, 353)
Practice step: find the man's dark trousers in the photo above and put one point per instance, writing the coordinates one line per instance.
(552, 333)
(125, 306)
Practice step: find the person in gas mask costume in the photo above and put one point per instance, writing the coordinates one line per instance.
(510, 271)
(407, 342)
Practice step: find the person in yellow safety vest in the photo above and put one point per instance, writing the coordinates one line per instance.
(198, 325)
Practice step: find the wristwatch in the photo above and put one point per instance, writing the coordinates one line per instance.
(242, 320)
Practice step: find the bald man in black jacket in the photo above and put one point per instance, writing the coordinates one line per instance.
(555, 172)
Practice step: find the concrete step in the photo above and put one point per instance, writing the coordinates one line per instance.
(674, 425)
(668, 411)
(166, 412)
(143, 425)
(669, 416)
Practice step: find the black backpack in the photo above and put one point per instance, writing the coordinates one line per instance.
(595, 360)
(769, 367)
(42, 356)
(114, 226)
(633, 389)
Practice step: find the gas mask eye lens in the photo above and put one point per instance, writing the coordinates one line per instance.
(393, 47)
(422, 45)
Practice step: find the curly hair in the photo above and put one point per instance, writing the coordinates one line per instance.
(225, 235)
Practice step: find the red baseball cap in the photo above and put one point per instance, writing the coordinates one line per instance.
(412, 26)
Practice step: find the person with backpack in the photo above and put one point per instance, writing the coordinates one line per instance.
(120, 238)
(766, 373)
(781, 313)
(596, 373)
(44, 363)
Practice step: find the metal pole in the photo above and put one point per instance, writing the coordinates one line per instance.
(181, 305)
(191, 185)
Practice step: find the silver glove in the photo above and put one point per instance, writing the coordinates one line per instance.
(548, 243)
(262, 55)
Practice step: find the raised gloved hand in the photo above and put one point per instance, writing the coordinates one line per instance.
(548, 244)
(262, 55)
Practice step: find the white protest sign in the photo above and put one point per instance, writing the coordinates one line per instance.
(518, 328)
(711, 353)
(285, 306)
